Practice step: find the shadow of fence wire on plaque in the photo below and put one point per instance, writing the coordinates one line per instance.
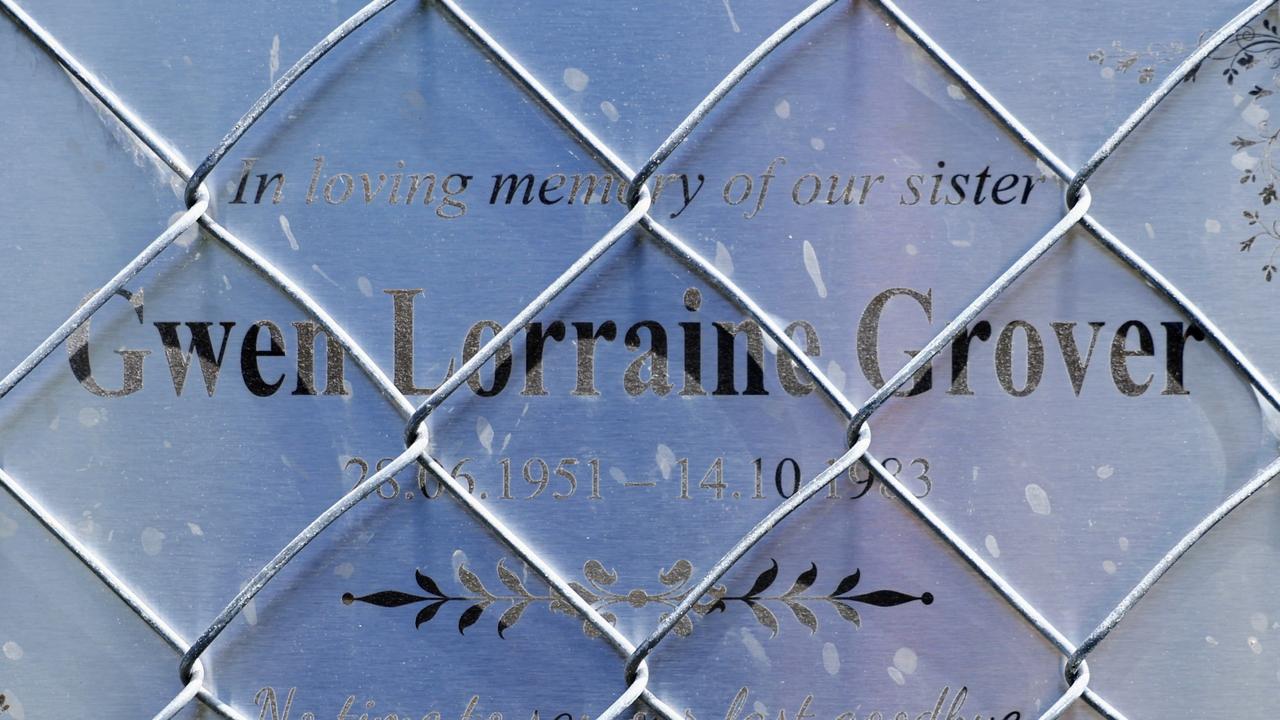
(1076, 673)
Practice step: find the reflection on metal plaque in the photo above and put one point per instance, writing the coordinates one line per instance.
(756, 361)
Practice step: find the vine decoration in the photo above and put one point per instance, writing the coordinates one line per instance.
(1247, 48)
(1123, 59)
(602, 595)
(1251, 47)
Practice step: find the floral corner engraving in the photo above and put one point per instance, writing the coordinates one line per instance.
(602, 594)
(1248, 49)
(1254, 152)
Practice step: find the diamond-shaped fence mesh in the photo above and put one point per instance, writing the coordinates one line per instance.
(418, 450)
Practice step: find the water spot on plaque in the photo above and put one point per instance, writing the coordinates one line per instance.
(618, 475)
(733, 21)
(1212, 226)
(905, 659)
(86, 526)
(782, 109)
(575, 79)
(324, 275)
(912, 249)
(8, 527)
(724, 261)
(955, 92)
(830, 658)
(1124, 544)
(754, 648)
(817, 143)
(760, 708)
(195, 529)
(1109, 567)
(1211, 639)
(152, 541)
(836, 375)
(1105, 472)
(366, 287)
(610, 111)
(993, 547)
(666, 460)
(1244, 161)
(814, 269)
(897, 675)
(1255, 114)
(344, 570)
(13, 650)
(288, 233)
(251, 612)
(1258, 621)
(459, 559)
(273, 57)
(1038, 499)
(90, 416)
(484, 432)
(1255, 646)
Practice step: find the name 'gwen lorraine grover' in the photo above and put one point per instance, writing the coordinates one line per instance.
(1017, 354)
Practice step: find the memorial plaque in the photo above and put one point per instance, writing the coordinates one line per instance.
(681, 346)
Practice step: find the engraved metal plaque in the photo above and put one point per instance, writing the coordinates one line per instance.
(756, 361)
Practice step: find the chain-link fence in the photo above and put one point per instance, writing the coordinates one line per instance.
(418, 445)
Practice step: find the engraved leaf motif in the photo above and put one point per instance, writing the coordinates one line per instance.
(848, 583)
(590, 630)
(803, 582)
(390, 598)
(712, 600)
(596, 573)
(427, 613)
(511, 581)
(683, 626)
(426, 583)
(511, 617)
(804, 615)
(849, 614)
(678, 574)
(884, 598)
(765, 617)
(470, 616)
(763, 582)
(559, 604)
(471, 582)
(585, 593)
